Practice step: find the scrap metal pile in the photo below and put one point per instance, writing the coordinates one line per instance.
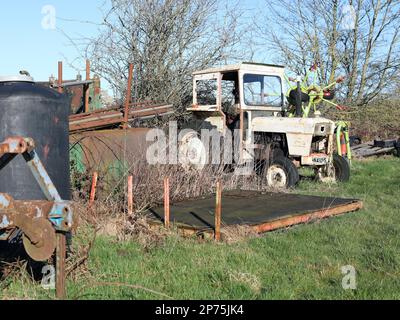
(376, 148)
(114, 116)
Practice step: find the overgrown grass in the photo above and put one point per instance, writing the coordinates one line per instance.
(303, 262)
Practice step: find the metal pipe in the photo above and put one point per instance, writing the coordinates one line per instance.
(60, 76)
(41, 176)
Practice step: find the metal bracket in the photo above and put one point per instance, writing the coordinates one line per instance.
(56, 210)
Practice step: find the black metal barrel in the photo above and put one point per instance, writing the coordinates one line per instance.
(31, 110)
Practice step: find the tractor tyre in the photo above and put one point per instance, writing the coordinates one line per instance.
(342, 168)
(281, 173)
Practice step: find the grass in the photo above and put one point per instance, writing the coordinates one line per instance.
(303, 262)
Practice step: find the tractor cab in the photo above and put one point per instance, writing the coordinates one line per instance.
(226, 92)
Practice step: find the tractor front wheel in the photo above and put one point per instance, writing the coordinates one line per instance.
(281, 173)
(338, 170)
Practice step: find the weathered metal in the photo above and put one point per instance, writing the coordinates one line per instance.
(108, 151)
(115, 116)
(42, 243)
(37, 219)
(258, 211)
(31, 110)
(60, 77)
(60, 265)
(374, 148)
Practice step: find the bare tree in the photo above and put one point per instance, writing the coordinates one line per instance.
(357, 38)
(165, 40)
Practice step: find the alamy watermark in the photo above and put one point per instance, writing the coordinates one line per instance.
(349, 278)
(49, 17)
(189, 148)
(348, 14)
(49, 277)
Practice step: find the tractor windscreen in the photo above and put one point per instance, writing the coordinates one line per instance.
(260, 90)
(206, 92)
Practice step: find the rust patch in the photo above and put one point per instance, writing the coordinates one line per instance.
(46, 151)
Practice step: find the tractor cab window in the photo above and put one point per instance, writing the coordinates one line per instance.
(260, 90)
(206, 91)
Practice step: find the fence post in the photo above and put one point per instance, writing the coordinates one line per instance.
(60, 265)
(218, 206)
(130, 195)
(166, 202)
(93, 189)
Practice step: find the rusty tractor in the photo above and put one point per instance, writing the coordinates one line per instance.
(250, 98)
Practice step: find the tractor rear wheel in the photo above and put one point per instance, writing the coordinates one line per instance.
(281, 173)
(342, 168)
(338, 170)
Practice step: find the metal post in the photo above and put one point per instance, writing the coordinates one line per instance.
(87, 86)
(60, 76)
(166, 202)
(60, 265)
(218, 209)
(130, 195)
(128, 96)
(93, 189)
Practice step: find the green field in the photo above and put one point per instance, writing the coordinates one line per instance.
(303, 262)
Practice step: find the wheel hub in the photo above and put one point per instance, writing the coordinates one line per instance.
(276, 177)
(46, 244)
(192, 153)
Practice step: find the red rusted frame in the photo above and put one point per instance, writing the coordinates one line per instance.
(187, 230)
(37, 219)
(130, 195)
(60, 77)
(93, 189)
(307, 217)
(101, 119)
(16, 145)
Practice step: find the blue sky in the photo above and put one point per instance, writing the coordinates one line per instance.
(26, 45)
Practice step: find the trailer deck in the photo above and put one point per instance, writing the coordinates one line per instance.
(261, 211)
(375, 148)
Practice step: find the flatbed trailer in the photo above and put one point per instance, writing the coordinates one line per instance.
(261, 212)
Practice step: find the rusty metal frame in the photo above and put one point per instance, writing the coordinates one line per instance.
(23, 214)
(187, 230)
